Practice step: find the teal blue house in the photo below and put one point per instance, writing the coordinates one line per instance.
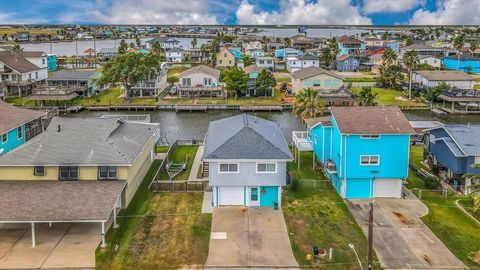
(17, 126)
(52, 62)
(364, 150)
(466, 63)
(237, 52)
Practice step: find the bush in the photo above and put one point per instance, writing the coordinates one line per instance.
(435, 169)
(294, 184)
(431, 182)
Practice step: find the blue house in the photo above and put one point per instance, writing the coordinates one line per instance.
(350, 45)
(52, 62)
(364, 150)
(348, 63)
(17, 126)
(237, 52)
(457, 148)
(287, 52)
(466, 64)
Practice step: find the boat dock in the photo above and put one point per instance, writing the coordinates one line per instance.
(261, 108)
(191, 108)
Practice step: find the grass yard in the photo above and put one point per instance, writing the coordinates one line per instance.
(456, 230)
(283, 79)
(158, 231)
(182, 153)
(32, 31)
(364, 79)
(161, 149)
(319, 217)
(388, 97)
(21, 101)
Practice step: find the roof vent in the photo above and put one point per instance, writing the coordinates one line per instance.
(59, 128)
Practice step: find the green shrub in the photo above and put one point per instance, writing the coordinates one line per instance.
(294, 184)
(435, 169)
(431, 182)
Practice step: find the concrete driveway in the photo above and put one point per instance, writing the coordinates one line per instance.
(400, 238)
(64, 245)
(249, 237)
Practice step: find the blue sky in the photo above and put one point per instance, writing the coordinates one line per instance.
(379, 12)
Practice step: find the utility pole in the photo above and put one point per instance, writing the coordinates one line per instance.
(370, 239)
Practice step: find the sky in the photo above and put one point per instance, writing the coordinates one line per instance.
(244, 12)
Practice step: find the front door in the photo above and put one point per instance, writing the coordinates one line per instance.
(254, 197)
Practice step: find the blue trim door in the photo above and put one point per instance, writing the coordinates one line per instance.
(268, 196)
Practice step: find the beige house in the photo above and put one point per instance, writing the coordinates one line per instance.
(200, 81)
(316, 78)
(225, 58)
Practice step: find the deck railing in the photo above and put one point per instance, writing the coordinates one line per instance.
(301, 140)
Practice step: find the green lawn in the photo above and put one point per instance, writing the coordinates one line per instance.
(158, 231)
(319, 217)
(364, 79)
(105, 98)
(388, 97)
(162, 149)
(181, 154)
(21, 101)
(456, 230)
(283, 79)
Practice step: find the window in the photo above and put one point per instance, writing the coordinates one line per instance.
(39, 170)
(228, 168)
(254, 194)
(207, 81)
(68, 173)
(225, 55)
(220, 61)
(19, 133)
(29, 76)
(261, 62)
(43, 61)
(36, 75)
(315, 139)
(266, 167)
(370, 160)
(107, 172)
(4, 138)
(370, 136)
(186, 81)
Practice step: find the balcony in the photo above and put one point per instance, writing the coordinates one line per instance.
(330, 166)
(301, 141)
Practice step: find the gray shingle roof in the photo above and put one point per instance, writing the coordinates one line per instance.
(77, 75)
(58, 200)
(201, 69)
(88, 141)
(445, 75)
(163, 40)
(17, 62)
(312, 71)
(466, 138)
(245, 137)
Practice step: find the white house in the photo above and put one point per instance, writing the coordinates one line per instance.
(431, 78)
(304, 61)
(175, 55)
(252, 45)
(152, 86)
(165, 42)
(247, 159)
(200, 81)
(265, 62)
(431, 60)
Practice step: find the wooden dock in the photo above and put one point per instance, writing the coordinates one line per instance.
(191, 108)
(122, 108)
(261, 108)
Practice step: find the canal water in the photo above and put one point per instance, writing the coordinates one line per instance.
(186, 125)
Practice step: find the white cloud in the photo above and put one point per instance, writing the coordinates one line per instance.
(8, 18)
(303, 12)
(142, 12)
(449, 12)
(390, 6)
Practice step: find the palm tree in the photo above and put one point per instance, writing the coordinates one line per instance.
(366, 97)
(389, 57)
(473, 46)
(410, 59)
(156, 47)
(326, 57)
(288, 42)
(193, 42)
(308, 104)
(458, 43)
(16, 47)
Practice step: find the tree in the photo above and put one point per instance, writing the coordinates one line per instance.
(247, 61)
(138, 42)
(458, 43)
(389, 57)
(366, 97)
(288, 42)
(410, 59)
(473, 46)
(326, 57)
(265, 83)
(390, 76)
(123, 47)
(132, 45)
(408, 41)
(308, 104)
(16, 47)
(334, 49)
(128, 69)
(156, 47)
(194, 42)
(432, 93)
(235, 80)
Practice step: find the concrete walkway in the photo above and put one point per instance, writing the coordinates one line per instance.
(196, 164)
(207, 207)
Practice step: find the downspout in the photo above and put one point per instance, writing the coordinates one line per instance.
(323, 144)
(345, 167)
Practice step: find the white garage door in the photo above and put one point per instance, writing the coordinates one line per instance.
(388, 188)
(230, 196)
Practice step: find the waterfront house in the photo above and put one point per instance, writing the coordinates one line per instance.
(431, 60)
(175, 55)
(373, 42)
(200, 81)
(425, 50)
(52, 62)
(225, 58)
(20, 75)
(165, 43)
(302, 42)
(287, 52)
(237, 52)
(455, 78)
(256, 53)
(466, 63)
(153, 86)
(82, 79)
(364, 151)
(350, 45)
(253, 71)
(247, 161)
(316, 78)
(195, 54)
(252, 45)
(348, 63)
(457, 149)
(265, 62)
(17, 126)
(307, 60)
(273, 46)
(22, 37)
(107, 54)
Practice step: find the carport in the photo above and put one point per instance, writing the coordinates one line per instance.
(51, 201)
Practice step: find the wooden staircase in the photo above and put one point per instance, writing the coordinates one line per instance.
(205, 169)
